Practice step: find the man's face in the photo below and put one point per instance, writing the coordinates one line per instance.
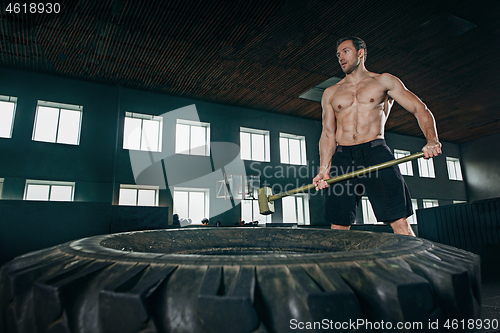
(348, 57)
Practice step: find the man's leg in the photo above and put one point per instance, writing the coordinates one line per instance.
(341, 227)
(401, 227)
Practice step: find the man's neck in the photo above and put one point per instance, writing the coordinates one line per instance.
(358, 74)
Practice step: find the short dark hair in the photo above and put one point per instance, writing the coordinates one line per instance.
(356, 41)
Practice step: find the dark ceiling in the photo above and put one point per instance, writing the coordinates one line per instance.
(264, 54)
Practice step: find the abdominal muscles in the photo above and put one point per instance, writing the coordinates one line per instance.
(359, 124)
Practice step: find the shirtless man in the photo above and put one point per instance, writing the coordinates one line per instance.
(354, 114)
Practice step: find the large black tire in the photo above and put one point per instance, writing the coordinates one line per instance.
(240, 280)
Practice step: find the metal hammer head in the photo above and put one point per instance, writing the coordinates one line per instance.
(266, 207)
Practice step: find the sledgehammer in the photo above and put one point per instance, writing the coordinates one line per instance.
(266, 197)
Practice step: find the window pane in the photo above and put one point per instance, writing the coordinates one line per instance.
(267, 149)
(284, 150)
(181, 204)
(458, 170)
(182, 140)
(451, 170)
(430, 164)
(6, 118)
(147, 198)
(150, 135)
(295, 154)
(245, 146)
(37, 192)
(289, 209)
(132, 134)
(430, 203)
(246, 210)
(128, 197)
(46, 124)
(197, 206)
(300, 210)
(61, 193)
(69, 127)
(368, 214)
(198, 140)
(426, 168)
(409, 168)
(303, 158)
(402, 168)
(421, 170)
(413, 219)
(257, 147)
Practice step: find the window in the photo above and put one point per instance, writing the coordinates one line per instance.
(250, 212)
(405, 168)
(296, 209)
(191, 203)
(254, 145)
(293, 149)
(192, 138)
(459, 201)
(368, 214)
(454, 171)
(426, 168)
(7, 112)
(138, 195)
(142, 132)
(413, 219)
(428, 203)
(57, 123)
(41, 190)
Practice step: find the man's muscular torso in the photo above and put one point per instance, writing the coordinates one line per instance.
(361, 109)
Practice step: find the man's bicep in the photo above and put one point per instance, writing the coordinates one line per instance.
(328, 118)
(404, 97)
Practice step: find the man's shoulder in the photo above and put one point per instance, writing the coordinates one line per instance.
(335, 87)
(387, 80)
(384, 76)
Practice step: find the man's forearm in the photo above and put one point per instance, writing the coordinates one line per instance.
(326, 150)
(427, 125)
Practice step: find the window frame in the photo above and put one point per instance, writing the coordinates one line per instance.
(302, 146)
(13, 100)
(205, 191)
(305, 208)
(256, 216)
(406, 168)
(138, 188)
(142, 117)
(192, 123)
(49, 183)
(59, 107)
(456, 166)
(459, 202)
(413, 219)
(267, 149)
(368, 213)
(429, 168)
(434, 202)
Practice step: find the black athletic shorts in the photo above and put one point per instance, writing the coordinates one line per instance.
(386, 188)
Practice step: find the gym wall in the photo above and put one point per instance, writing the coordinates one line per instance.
(99, 164)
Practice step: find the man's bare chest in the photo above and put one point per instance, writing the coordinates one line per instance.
(367, 95)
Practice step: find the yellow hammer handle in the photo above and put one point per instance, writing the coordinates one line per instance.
(349, 175)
